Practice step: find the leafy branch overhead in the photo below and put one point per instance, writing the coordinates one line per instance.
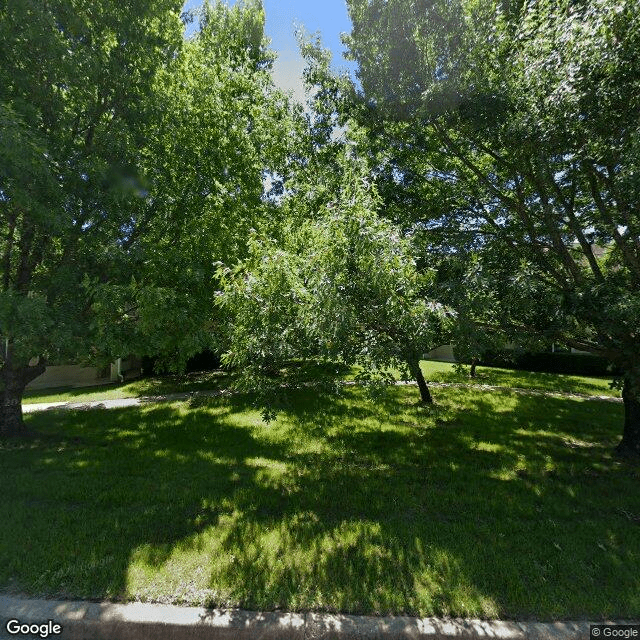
(507, 136)
(340, 287)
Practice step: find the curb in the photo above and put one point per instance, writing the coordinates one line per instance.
(141, 621)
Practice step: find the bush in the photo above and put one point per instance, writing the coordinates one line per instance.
(204, 361)
(569, 363)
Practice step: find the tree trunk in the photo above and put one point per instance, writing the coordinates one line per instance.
(474, 362)
(12, 385)
(630, 443)
(416, 372)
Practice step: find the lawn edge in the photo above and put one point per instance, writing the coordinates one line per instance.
(142, 621)
(135, 401)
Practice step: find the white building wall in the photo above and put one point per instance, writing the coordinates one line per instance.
(67, 375)
(443, 353)
(75, 375)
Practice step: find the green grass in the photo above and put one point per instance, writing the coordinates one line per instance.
(433, 371)
(202, 381)
(489, 505)
(445, 372)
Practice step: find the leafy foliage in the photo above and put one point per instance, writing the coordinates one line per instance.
(76, 97)
(515, 127)
(340, 287)
(222, 129)
(133, 161)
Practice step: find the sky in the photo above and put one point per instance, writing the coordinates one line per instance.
(328, 17)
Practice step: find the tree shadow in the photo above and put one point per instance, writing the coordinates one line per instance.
(498, 505)
(553, 382)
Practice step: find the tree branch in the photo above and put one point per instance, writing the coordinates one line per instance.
(548, 214)
(632, 260)
(8, 249)
(559, 336)
(574, 223)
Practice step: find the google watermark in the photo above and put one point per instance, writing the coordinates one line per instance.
(615, 631)
(46, 629)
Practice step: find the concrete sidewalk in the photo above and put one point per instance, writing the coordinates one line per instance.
(139, 621)
(119, 403)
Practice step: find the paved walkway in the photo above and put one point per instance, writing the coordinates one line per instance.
(119, 403)
(138, 621)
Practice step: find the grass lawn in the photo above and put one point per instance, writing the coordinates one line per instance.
(433, 371)
(161, 385)
(489, 505)
(445, 372)
(201, 381)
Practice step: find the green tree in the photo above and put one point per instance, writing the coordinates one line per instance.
(132, 161)
(76, 95)
(526, 115)
(340, 286)
(223, 130)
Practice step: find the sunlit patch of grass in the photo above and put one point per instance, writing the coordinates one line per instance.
(485, 505)
(152, 386)
(495, 376)
(433, 371)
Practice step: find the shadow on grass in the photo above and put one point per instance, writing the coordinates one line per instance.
(148, 386)
(487, 505)
(493, 376)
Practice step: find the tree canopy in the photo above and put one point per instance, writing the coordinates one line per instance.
(339, 286)
(222, 130)
(77, 96)
(516, 127)
(132, 161)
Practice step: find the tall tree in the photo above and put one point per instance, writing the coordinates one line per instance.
(132, 160)
(76, 96)
(340, 286)
(529, 113)
(223, 132)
